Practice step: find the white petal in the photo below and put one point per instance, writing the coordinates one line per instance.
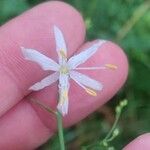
(45, 62)
(76, 60)
(63, 81)
(45, 82)
(60, 43)
(63, 94)
(82, 79)
(63, 108)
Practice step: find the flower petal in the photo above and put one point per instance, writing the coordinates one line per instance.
(82, 79)
(63, 94)
(60, 44)
(45, 82)
(45, 62)
(76, 60)
(63, 107)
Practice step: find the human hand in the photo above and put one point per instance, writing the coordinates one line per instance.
(23, 125)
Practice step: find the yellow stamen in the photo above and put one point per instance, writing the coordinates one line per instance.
(64, 70)
(63, 97)
(62, 53)
(91, 92)
(65, 94)
(62, 100)
(111, 66)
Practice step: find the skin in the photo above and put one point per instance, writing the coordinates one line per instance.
(23, 125)
(140, 143)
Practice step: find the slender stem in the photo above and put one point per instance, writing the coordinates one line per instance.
(59, 121)
(90, 146)
(137, 15)
(118, 113)
(114, 125)
(60, 131)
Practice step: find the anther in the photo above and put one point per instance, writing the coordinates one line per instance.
(63, 97)
(111, 66)
(62, 53)
(90, 91)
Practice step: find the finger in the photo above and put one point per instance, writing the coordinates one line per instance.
(33, 29)
(22, 129)
(37, 125)
(140, 143)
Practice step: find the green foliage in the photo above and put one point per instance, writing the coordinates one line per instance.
(127, 22)
(104, 144)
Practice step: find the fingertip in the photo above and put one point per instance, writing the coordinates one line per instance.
(140, 143)
(121, 59)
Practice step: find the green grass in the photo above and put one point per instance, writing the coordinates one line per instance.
(126, 22)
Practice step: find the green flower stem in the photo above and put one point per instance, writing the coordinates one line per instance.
(113, 127)
(137, 15)
(60, 131)
(96, 144)
(119, 108)
(59, 121)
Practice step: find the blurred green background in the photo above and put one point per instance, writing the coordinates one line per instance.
(126, 22)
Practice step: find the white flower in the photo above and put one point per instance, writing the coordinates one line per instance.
(65, 70)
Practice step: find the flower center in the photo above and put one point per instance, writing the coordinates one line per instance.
(64, 70)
